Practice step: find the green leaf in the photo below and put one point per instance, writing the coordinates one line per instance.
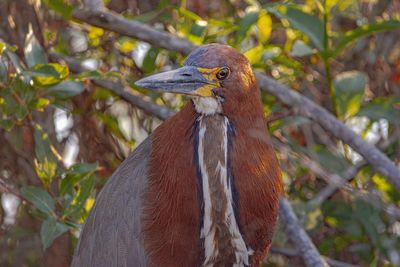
(50, 230)
(61, 7)
(198, 28)
(15, 60)
(310, 25)
(3, 71)
(75, 174)
(34, 53)
(46, 162)
(382, 108)
(24, 90)
(65, 89)
(48, 74)
(300, 49)
(21, 112)
(148, 17)
(328, 160)
(69, 181)
(189, 14)
(39, 103)
(88, 75)
(83, 168)
(291, 121)
(43, 145)
(80, 199)
(149, 61)
(46, 170)
(6, 124)
(39, 198)
(102, 94)
(349, 91)
(363, 31)
(245, 24)
(112, 124)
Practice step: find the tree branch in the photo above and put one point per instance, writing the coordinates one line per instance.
(299, 237)
(305, 106)
(113, 22)
(294, 253)
(6, 188)
(136, 99)
(94, 4)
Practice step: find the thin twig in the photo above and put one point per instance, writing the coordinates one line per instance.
(347, 176)
(336, 181)
(6, 188)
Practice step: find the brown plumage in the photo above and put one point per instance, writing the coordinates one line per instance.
(203, 189)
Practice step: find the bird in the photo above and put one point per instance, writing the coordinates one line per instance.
(203, 189)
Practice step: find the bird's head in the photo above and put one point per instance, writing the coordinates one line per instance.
(217, 78)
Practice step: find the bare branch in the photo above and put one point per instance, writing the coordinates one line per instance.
(94, 4)
(136, 99)
(294, 253)
(305, 106)
(299, 237)
(331, 188)
(134, 29)
(10, 189)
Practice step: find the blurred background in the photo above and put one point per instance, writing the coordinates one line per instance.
(63, 130)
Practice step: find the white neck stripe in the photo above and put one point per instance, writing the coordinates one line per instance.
(211, 252)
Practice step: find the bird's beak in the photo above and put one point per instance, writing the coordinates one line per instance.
(187, 80)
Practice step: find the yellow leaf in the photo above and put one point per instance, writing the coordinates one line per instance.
(89, 203)
(95, 32)
(49, 74)
(126, 45)
(264, 25)
(2, 47)
(331, 221)
(254, 54)
(381, 183)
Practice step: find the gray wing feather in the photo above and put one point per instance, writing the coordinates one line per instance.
(112, 235)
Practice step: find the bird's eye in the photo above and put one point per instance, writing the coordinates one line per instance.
(223, 73)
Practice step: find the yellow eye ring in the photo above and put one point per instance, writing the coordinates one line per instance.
(223, 73)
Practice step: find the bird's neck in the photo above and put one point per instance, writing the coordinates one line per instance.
(220, 230)
(244, 110)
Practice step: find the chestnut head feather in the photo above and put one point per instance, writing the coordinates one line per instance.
(217, 77)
